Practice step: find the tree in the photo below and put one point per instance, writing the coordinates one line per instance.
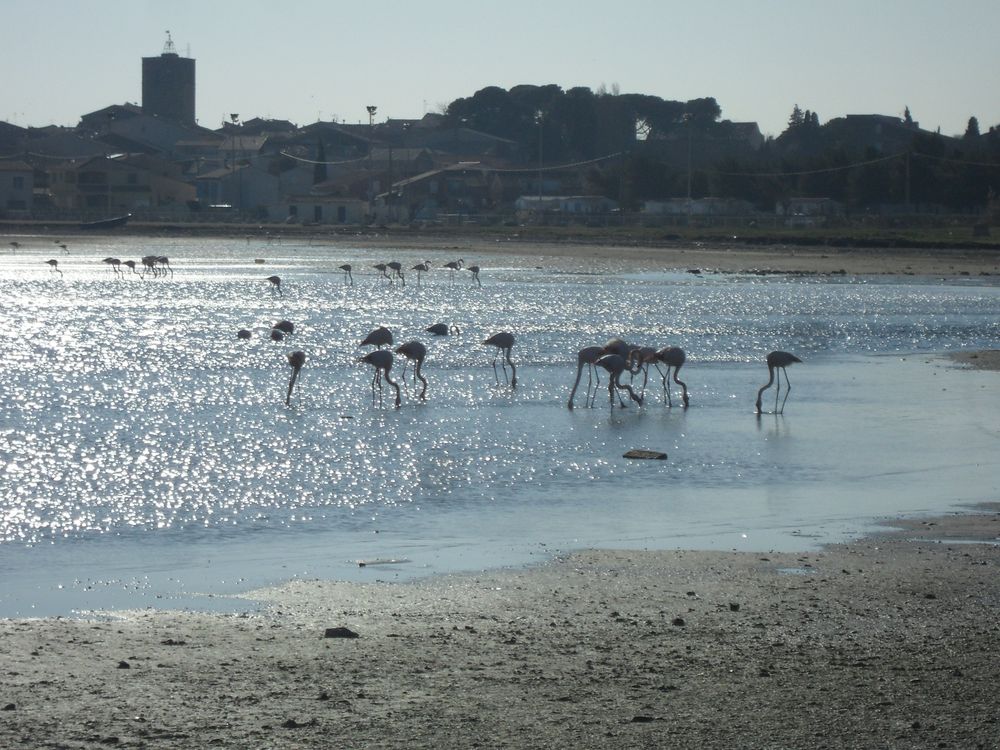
(796, 118)
(907, 119)
(972, 129)
(319, 168)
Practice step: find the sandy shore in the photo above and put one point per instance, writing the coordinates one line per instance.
(890, 641)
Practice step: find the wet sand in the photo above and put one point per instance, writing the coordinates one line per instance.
(889, 641)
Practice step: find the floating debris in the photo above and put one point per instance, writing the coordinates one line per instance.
(382, 561)
(638, 453)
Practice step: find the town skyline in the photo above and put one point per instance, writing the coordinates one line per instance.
(317, 62)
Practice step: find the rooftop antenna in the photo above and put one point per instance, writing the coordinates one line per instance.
(168, 47)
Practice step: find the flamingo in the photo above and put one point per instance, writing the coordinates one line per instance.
(163, 260)
(397, 270)
(503, 342)
(414, 350)
(383, 270)
(148, 264)
(616, 364)
(617, 346)
(775, 361)
(421, 268)
(64, 248)
(587, 356)
(381, 360)
(454, 265)
(442, 329)
(15, 246)
(673, 356)
(130, 264)
(638, 360)
(285, 326)
(243, 334)
(296, 360)
(275, 283)
(348, 279)
(475, 275)
(55, 265)
(114, 263)
(378, 338)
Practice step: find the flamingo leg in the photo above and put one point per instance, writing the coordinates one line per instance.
(788, 389)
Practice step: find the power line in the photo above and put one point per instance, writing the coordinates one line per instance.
(810, 171)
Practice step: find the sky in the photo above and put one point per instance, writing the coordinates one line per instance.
(305, 60)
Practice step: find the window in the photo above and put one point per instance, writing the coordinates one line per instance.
(18, 183)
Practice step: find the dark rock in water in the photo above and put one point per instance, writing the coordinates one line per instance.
(734, 607)
(642, 719)
(293, 724)
(10, 707)
(243, 333)
(277, 335)
(678, 621)
(637, 453)
(124, 665)
(340, 633)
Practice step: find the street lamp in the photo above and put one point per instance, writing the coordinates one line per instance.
(235, 117)
(540, 119)
(371, 178)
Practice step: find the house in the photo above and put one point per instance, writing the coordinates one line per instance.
(808, 212)
(698, 207)
(115, 185)
(325, 209)
(572, 205)
(463, 188)
(17, 185)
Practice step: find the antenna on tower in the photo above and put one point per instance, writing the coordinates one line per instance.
(168, 47)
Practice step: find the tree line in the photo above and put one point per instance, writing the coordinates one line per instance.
(669, 149)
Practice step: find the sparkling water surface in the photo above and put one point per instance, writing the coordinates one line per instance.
(149, 459)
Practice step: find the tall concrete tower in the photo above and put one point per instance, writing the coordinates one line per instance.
(168, 85)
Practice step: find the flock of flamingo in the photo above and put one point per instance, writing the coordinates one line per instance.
(616, 357)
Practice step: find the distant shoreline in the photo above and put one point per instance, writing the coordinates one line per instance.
(581, 249)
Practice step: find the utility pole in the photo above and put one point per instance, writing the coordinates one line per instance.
(371, 144)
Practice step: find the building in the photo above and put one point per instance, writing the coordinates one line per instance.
(168, 86)
(16, 186)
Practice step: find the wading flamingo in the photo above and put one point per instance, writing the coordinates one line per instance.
(454, 265)
(275, 283)
(348, 279)
(442, 329)
(776, 361)
(54, 265)
(415, 351)
(587, 356)
(475, 275)
(673, 356)
(378, 338)
(422, 268)
(295, 360)
(397, 270)
(616, 364)
(503, 342)
(381, 360)
(383, 271)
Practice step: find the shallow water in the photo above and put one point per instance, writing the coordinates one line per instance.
(149, 459)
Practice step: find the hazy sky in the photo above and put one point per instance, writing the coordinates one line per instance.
(305, 60)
